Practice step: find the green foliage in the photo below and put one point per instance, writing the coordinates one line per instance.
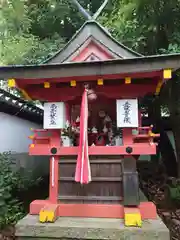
(18, 43)
(32, 31)
(28, 49)
(15, 48)
(11, 209)
(172, 48)
(43, 50)
(146, 26)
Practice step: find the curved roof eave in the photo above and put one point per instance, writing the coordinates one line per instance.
(90, 24)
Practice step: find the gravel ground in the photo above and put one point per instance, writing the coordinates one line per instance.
(153, 182)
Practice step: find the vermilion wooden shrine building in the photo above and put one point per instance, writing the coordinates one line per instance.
(91, 89)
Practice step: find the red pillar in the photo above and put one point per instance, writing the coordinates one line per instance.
(54, 168)
(127, 136)
(53, 181)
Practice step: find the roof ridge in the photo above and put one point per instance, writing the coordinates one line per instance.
(119, 43)
(105, 30)
(62, 49)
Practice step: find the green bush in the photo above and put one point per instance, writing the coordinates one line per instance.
(11, 210)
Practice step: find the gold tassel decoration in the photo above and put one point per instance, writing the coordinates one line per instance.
(11, 83)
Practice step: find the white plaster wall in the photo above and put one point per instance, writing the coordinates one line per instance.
(14, 133)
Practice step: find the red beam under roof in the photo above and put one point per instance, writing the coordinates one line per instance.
(70, 93)
(157, 74)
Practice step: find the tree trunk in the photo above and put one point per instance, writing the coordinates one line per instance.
(168, 155)
(165, 146)
(175, 115)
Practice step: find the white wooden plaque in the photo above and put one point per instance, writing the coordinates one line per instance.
(127, 113)
(54, 115)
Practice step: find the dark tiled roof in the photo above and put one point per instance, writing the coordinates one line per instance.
(17, 106)
(92, 30)
(86, 69)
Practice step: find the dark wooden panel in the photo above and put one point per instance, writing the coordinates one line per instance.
(92, 189)
(99, 167)
(131, 189)
(130, 182)
(97, 170)
(106, 185)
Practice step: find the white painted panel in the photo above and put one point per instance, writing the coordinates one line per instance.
(127, 113)
(54, 115)
(14, 133)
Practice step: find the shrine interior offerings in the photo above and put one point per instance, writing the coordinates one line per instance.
(92, 129)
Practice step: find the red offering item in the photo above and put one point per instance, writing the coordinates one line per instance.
(77, 122)
(83, 172)
(100, 141)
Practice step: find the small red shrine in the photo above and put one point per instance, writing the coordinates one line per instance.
(92, 125)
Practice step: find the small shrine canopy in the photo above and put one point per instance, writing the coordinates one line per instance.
(91, 55)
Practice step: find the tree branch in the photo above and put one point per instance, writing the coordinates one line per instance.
(82, 10)
(96, 15)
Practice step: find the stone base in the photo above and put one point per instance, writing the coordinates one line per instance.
(89, 229)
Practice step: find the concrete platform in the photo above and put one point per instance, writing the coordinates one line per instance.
(89, 229)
